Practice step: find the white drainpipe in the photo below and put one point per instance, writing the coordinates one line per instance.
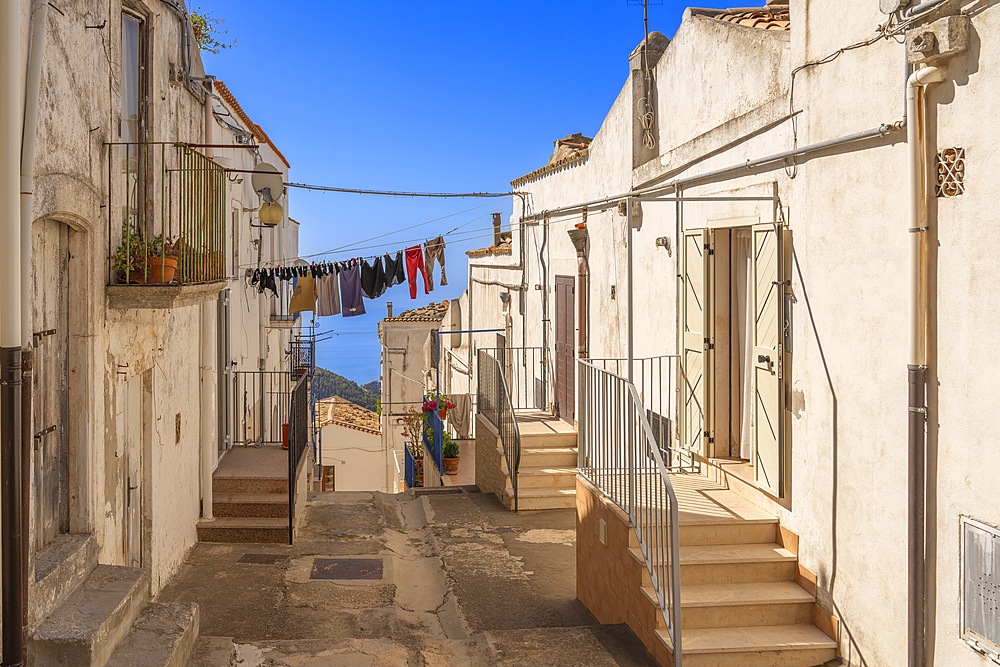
(917, 363)
(208, 398)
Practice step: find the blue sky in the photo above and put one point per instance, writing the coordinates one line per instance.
(420, 96)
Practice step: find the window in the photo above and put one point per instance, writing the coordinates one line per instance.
(132, 69)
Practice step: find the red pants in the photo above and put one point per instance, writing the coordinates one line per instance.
(414, 263)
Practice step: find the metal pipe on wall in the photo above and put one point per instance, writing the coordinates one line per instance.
(209, 446)
(11, 523)
(918, 222)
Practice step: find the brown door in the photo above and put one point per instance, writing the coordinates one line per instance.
(565, 372)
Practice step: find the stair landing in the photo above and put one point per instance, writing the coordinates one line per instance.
(249, 497)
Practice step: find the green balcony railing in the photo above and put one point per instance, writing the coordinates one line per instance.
(166, 215)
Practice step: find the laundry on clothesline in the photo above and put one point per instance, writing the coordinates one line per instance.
(340, 288)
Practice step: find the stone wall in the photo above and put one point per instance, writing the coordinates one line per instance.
(490, 477)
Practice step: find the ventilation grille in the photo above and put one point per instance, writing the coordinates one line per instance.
(981, 587)
(602, 531)
(951, 172)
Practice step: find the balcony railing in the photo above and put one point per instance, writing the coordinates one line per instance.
(166, 215)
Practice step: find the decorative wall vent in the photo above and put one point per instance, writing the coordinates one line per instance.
(951, 172)
(602, 531)
(981, 587)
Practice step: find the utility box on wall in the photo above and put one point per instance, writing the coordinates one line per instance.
(981, 587)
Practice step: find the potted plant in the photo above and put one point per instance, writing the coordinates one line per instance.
(163, 259)
(413, 432)
(439, 403)
(450, 450)
(130, 260)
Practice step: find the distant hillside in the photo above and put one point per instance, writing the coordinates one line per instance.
(375, 387)
(328, 383)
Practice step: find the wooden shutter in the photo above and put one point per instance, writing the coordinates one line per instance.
(769, 274)
(694, 340)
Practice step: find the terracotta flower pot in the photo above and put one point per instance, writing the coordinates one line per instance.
(162, 269)
(451, 466)
(442, 412)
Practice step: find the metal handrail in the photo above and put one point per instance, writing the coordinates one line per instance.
(525, 370)
(619, 455)
(494, 403)
(298, 438)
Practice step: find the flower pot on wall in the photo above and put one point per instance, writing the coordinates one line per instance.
(451, 466)
(443, 413)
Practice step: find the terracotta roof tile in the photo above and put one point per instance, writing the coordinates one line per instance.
(502, 249)
(432, 312)
(342, 412)
(578, 156)
(223, 90)
(766, 18)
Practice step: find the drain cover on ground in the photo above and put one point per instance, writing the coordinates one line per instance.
(263, 559)
(346, 568)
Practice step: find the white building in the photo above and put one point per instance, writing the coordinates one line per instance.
(351, 448)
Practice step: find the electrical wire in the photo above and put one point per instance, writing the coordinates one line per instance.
(396, 193)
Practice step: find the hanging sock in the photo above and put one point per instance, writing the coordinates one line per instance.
(373, 278)
(414, 263)
(351, 301)
(434, 250)
(395, 274)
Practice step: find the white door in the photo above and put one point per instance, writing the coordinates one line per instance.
(695, 339)
(132, 420)
(768, 362)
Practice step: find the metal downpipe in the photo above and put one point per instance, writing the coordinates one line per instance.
(917, 362)
(11, 500)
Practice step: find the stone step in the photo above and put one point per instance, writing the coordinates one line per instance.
(546, 477)
(213, 652)
(557, 457)
(732, 563)
(274, 505)
(59, 569)
(546, 440)
(541, 499)
(259, 530)
(224, 485)
(85, 629)
(755, 646)
(732, 605)
(163, 636)
(724, 532)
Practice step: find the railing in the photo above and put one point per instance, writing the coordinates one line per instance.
(280, 306)
(166, 215)
(433, 429)
(261, 403)
(658, 382)
(619, 455)
(494, 403)
(302, 356)
(525, 370)
(409, 468)
(298, 439)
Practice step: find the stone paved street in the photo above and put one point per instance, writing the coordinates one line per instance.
(464, 582)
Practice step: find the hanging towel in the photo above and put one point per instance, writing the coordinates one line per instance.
(327, 295)
(351, 301)
(460, 416)
(434, 250)
(372, 278)
(304, 297)
(415, 263)
(395, 273)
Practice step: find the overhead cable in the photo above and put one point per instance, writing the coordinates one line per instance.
(394, 193)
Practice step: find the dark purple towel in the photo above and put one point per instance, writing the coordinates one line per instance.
(351, 300)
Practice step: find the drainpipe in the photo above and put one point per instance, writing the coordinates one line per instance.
(208, 399)
(32, 88)
(917, 366)
(12, 601)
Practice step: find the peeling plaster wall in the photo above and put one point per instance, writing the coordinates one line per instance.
(117, 354)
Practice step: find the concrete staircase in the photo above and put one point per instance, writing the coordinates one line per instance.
(249, 498)
(741, 600)
(547, 474)
(100, 615)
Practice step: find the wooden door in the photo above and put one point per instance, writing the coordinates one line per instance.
(565, 357)
(695, 341)
(50, 390)
(768, 363)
